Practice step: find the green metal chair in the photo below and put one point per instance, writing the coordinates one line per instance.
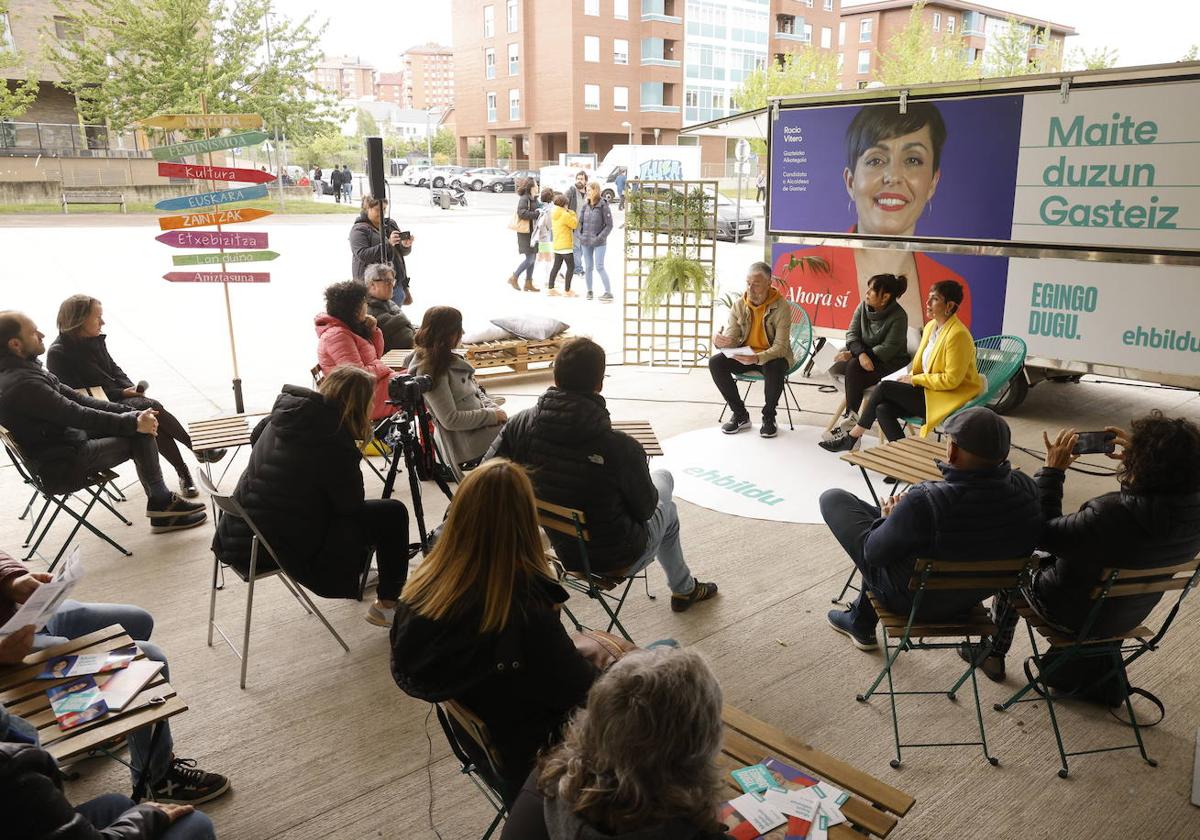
(1119, 650)
(998, 358)
(901, 634)
(802, 339)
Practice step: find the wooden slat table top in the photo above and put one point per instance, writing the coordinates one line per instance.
(24, 695)
(874, 807)
(225, 432)
(642, 432)
(912, 460)
(395, 359)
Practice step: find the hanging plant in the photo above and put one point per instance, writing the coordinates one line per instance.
(674, 274)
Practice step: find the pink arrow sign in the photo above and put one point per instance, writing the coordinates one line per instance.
(214, 173)
(214, 239)
(217, 276)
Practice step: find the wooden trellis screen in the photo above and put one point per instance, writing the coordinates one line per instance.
(660, 221)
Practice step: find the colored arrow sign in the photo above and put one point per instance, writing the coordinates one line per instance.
(216, 217)
(208, 199)
(230, 257)
(213, 239)
(212, 144)
(197, 121)
(217, 277)
(214, 173)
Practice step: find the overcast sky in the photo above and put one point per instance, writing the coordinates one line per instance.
(1145, 32)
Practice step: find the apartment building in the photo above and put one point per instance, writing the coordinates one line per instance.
(864, 31)
(389, 87)
(428, 78)
(346, 77)
(22, 30)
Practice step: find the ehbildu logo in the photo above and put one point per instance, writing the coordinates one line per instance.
(743, 488)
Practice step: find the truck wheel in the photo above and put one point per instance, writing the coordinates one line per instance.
(1012, 394)
(609, 196)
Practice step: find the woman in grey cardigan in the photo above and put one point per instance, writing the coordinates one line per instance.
(876, 343)
(468, 420)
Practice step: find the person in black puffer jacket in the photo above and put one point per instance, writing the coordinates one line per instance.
(580, 462)
(367, 248)
(479, 624)
(303, 488)
(1153, 520)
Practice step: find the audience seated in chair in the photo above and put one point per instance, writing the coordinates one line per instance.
(578, 461)
(760, 319)
(1153, 520)
(944, 376)
(983, 510)
(479, 623)
(347, 335)
(393, 323)
(303, 487)
(468, 418)
(66, 436)
(640, 762)
(170, 779)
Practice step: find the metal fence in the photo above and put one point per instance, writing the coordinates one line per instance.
(68, 140)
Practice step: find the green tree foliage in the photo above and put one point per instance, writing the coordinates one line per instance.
(917, 54)
(1095, 59)
(368, 126)
(130, 59)
(807, 71)
(16, 95)
(1013, 51)
(1192, 53)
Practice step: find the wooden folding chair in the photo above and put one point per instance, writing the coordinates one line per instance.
(909, 633)
(1120, 650)
(229, 506)
(598, 587)
(472, 745)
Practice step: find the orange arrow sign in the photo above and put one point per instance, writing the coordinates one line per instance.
(216, 217)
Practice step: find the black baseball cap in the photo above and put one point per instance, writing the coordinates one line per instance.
(980, 431)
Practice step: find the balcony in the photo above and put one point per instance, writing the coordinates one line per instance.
(650, 108)
(651, 61)
(662, 11)
(68, 140)
(798, 37)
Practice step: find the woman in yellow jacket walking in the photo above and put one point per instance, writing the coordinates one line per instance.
(944, 377)
(563, 223)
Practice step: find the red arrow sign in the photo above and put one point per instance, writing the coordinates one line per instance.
(213, 239)
(217, 276)
(214, 173)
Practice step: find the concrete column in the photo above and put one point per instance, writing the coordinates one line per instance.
(489, 150)
(573, 140)
(537, 150)
(463, 144)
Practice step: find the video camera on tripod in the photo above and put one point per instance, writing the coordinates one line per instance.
(405, 390)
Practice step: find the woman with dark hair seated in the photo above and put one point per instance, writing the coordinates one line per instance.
(468, 418)
(943, 379)
(347, 335)
(1152, 520)
(639, 762)
(479, 623)
(80, 358)
(304, 490)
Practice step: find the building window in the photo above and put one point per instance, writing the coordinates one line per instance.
(786, 25)
(591, 48)
(489, 63)
(514, 61)
(620, 99)
(514, 104)
(591, 97)
(864, 61)
(841, 33)
(937, 21)
(64, 28)
(950, 23)
(620, 51)
(864, 31)
(489, 21)
(491, 107)
(6, 38)
(621, 9)
(591, 7)
(510, 12)
(826, 38)
(808, 33)
(828, 6)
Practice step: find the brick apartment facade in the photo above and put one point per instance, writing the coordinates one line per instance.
(389, 87)
(428, 78)
(347, 77)
(21, 30)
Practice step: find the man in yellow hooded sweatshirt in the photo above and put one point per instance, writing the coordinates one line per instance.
(760, 320)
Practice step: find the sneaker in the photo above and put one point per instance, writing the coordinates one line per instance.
(381, 616)
(836, 433)
(553, 292)
(843, 622)
(211, 456)
(186, 784)
(182, 522)
(569, 293)
(839, 444)
(735, 424)
(589, 295)
(175, 507)
(767, 428)
(700, 592)
(187, 487)
(992, 664)
(848, 422)
(606, 298)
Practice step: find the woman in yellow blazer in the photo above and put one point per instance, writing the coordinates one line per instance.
(943, 379)
(563, 223)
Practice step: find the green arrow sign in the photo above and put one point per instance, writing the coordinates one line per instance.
(231, 257)
(213, 144)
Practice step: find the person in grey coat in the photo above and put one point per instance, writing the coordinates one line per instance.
(468, 420)
(595, 224)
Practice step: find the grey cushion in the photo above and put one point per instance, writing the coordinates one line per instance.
(531, 327)
(489, 333)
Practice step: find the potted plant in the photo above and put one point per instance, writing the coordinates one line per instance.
(675, 273)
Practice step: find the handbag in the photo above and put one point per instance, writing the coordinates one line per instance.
(600, 648)
(518, 224)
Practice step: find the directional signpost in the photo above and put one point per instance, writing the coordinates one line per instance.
(228, 257)
(209, 144)
(189, 122)
(210, 199)
(217, 277)
(213, 217)
(213, 239)
(214, 173)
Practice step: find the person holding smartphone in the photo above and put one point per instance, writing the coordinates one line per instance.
(1153, 519)
(374, 238)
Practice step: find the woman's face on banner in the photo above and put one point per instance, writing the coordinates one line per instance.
(892, 182)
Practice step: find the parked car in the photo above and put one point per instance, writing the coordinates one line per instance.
(729, 227)
(508, 183)
(440, 176)
(480, 178)
(414, 176)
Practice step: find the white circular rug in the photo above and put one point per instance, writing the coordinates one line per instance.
(780, 478)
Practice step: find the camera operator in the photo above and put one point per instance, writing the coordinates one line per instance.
(367, 246)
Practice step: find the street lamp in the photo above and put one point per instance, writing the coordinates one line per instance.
(625, 125)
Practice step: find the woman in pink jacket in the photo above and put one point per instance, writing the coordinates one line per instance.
(347, 335)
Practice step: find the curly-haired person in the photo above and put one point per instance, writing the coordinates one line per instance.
(348, 335)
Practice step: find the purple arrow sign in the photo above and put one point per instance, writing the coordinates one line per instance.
(213, 239)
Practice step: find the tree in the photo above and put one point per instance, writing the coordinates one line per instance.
(16, 95)
(807, 71)
(1096, 59)
(1012, 45)
(130, 59)
(1192, 53)
(917, 54)
(504, 149)
(368, 126)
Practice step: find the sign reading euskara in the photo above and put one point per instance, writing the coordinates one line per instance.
(200, 121)
(212, 144)
(216, 217)
(209, 199)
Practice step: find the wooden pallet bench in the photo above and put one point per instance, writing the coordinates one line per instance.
(512, 355)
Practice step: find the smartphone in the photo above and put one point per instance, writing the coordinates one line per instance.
(1092, 443)
(142, 386)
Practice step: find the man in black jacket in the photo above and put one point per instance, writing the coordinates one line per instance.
(397, 330)
(335, 181)
(65, 436)
(577, 460)
(367, 247)
(983, 510)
